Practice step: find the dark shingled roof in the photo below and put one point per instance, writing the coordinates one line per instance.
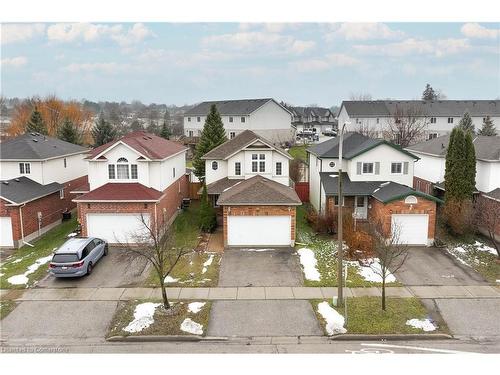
(487, 148)
(435, 108)
(229, 107)
(219, 186)
(495, 194)
(21, 190)
(33, 146)
(259, 190)
(354, 145)
(237, 143)
(384, 191)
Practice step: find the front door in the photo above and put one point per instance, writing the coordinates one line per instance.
(361, 207)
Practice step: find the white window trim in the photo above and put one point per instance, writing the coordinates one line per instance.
(281, 169)
(214, 163)
(128, 164)
(397, 162)
(232, 135)
(61, 193)
(24, 168)
(363, 167)
(237, 163)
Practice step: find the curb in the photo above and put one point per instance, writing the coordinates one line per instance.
(391, 337)
(164, 338)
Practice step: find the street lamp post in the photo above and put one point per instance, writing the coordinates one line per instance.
(340, 251)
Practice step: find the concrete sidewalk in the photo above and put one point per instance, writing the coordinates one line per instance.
(245, 293)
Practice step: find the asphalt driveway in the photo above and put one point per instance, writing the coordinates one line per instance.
(117, 269)
(434, 266)
(260, 267)
(263, 318)
(42, 320)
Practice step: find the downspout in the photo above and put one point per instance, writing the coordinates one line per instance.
(22, 228)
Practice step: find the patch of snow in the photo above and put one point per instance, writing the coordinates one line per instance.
(170, 279)
(309, 262)
(17, 261)
(207, 263)
(498, 281)
(192, 327)
(334, 321)
(423, 324)
(373, 271)
(195, 307)
(482, 247)
(72, 234)
(23, 279)
(143, 317)
(257, 250)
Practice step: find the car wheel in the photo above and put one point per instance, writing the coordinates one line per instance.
(105, 250)
(89, 269)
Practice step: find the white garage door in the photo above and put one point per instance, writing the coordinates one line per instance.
(6, 232)
(413, 229)
(258, 230)
(116, 228)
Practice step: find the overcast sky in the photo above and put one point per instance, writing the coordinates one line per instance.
(302, 64)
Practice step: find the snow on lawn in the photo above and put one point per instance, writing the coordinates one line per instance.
(23, 278)
(423, 324)
(195, 307)
(469, 254)
(192, 327)
(143, 317)
(309, 262)
(372, 271)
(334, 321)
(207, 263)
(170, 279)
(72, 234)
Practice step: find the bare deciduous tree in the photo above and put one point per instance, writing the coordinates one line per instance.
(390, 252)
(488, 217)
(157, 244)
(366, 130)
(406, 126)
(295, 170)
(360, 96)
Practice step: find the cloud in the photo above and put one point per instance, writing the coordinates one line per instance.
(364, 31)
(20, 32)
(109, 67)
(412, 46)
(257, 40)
(321, 64)
(475, 30)
(15, 62)
(272, 27)
(88, 32)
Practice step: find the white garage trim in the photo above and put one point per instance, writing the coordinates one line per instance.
(116, 228)
(259, 230)
(413, 228)
(6, 239)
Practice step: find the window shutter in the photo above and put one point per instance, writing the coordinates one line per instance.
(405, 167)
(377, 167)
(358, 167)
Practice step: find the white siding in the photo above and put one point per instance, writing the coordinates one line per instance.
(221, 172)
(430, 168)
(10, 169)
(314, 181)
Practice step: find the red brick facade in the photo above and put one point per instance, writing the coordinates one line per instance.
(165, 208)
(488, 201)
(50, 206)
(260, 211)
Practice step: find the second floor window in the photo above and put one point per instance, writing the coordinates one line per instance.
(450, 120)
(243, 119)
(122, 170)
(189, 119)
(432, 135)
(24, 168)
(230, 119)
(278, 169)
(433, 120)
(237, 168)
(198, 119)
(65, 163)
(396, 168)
(262, 162)
(368, 168)
(215, 165)
(232, 135)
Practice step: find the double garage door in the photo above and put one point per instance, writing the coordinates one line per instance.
(413, 229)
(259, 230)
(116, 228)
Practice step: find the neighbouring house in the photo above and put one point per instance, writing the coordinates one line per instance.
(319, 118)
(430, 169)
(139, 177)
(265, 117)
(376, 186)
(38, 174)
(439, 116)
(248, 177)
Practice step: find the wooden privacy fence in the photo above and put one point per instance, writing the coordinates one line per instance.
(194, 187)
(302, 190)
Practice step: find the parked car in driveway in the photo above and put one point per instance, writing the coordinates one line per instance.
(329, 132)
(77, 256)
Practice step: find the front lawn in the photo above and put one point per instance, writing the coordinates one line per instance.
(29, 264)
(144, 318)
(6, 308)
(299, 152)
(325, 253)
(194, 268)
(365, 316)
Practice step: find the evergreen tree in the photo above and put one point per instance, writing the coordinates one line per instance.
(68, 132)
(208, 217)
(466, 124)
(429, 93)
(454, 166)
(469, 170)
(165, 131)
(103, 132)
(488, 128)
(36, 124)
(213, 135)
(136, 126)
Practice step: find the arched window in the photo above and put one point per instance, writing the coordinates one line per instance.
(411, 199)
(122, 160)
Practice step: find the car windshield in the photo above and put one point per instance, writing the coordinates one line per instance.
(65, 258)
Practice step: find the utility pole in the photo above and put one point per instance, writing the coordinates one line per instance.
(340, 251)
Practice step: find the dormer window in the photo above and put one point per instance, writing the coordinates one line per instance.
(24, 168)
(123, 170)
